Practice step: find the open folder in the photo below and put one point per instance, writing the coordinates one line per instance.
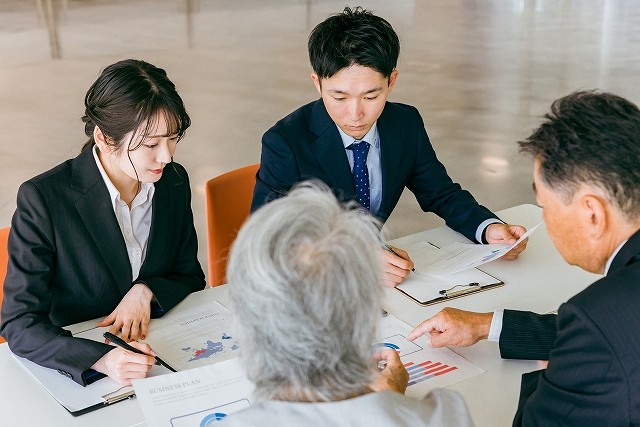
(427, 289)
(195, 333)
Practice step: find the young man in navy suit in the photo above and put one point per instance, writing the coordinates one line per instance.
(363, 147)
(587, 180)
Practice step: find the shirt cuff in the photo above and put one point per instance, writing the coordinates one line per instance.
(496, 326)
(483, 225)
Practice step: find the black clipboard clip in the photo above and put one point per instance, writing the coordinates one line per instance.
(453, 291)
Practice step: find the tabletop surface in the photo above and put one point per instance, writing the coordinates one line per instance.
(539, 280)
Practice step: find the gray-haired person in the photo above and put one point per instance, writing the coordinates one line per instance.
(305, 276)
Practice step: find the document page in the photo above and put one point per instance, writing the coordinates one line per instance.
(194, 336)
(457, 256)
(194, 398)
(428, 368)
(195, 333)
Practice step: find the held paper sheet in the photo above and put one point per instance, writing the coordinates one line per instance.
(429, 260)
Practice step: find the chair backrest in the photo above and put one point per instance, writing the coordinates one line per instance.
(4, 260)
(228, 203)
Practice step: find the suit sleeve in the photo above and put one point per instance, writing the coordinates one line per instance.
(582, 379)
(527, 335)
(26, 324)
(186, 275)
(278, 170)
(436, 192)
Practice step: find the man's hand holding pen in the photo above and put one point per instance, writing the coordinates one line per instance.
(397, 265)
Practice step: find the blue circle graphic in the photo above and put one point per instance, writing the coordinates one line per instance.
(390, 345)
(211, 419)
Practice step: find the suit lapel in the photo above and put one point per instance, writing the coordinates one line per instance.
(329, 151)
(159, 233)
(390, 156)
(96, 211)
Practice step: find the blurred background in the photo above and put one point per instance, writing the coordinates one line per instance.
(480, 72)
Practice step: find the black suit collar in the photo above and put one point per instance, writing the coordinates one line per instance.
(161, 220)
(390, 156)
(329, 151)
(96, 211)
(629, 253)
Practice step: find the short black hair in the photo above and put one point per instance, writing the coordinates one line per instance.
(355, 36)
(590, 137)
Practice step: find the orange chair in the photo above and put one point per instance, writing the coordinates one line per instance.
(228, 201)
(4, 260)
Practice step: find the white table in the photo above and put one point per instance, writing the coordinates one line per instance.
(538, 281)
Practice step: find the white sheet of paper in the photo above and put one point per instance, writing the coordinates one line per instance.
(196, 397)
(198, 336)
(195, 334)
(428, 368)
(457, 256)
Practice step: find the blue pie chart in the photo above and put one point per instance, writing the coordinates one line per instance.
(210, 419)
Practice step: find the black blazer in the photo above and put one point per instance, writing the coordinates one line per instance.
(593, 376)
(68, 261)
(306, 144)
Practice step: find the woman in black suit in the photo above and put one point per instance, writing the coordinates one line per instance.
(107, 234)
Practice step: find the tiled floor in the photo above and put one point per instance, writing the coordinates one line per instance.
(480, 72)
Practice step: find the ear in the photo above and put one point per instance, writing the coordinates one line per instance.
(392, 79)
(595, 215)
(101, 140)
(316, 82)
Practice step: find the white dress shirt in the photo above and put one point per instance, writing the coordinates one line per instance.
(135, 223)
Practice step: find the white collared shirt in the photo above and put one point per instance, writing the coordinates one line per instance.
(135, 223)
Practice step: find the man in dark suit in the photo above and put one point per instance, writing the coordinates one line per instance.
(363, 147)
(587, 180)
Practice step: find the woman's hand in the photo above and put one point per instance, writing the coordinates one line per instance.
(123, 365)
(132, 315)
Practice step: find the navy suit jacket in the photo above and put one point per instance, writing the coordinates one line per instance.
(68, 260)
(306, 144)
(593, 376)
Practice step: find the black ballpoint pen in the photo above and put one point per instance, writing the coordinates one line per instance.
(390, 249)
(122, 343)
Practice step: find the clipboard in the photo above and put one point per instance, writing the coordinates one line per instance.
(428, 290)
(79, 400)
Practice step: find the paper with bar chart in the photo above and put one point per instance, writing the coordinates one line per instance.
(428, 367)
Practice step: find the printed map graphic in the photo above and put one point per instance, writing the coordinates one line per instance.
(225, 344)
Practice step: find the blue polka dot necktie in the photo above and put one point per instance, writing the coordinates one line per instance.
(360, 172)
